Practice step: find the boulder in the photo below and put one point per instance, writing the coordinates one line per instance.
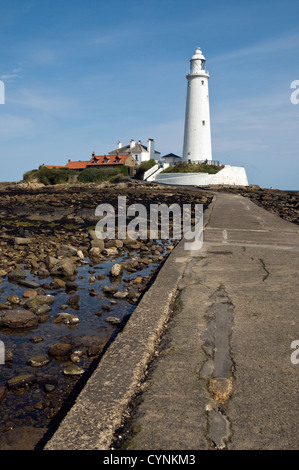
(66, 251)
(38, 300)
(16, 274)
(22, 380)
(64, 268)
(18, 319)
(51, 262)
(60, 349)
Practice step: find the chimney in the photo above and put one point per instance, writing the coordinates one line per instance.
(69, 160)
(119, 145)
(93, 154)
(151, 148)
(132, 143)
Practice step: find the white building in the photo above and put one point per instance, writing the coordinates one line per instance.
(197, 136)
(140, 152)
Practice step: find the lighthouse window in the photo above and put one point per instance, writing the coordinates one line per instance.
(202, 82)
(203, 123)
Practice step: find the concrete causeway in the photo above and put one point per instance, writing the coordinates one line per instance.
(221, 376)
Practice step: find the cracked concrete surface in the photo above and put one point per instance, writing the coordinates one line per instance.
(226, 350)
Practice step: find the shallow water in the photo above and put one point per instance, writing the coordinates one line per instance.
(33, 406)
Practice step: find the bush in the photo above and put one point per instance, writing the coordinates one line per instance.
(48, 176)
(144, 167)
(96, 175)
(192, 168)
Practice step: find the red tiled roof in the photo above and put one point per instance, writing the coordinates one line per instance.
(99, 160)
(80, 165)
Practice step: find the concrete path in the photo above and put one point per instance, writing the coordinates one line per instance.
(222, 375)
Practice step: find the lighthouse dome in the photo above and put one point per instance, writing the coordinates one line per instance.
(198, 55)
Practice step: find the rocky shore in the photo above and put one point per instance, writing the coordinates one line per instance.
(65, 294)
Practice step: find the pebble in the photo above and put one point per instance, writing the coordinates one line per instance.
(66, 318)
(113, 320)
(116, 269)
(36, 339)
(73, 370)
(29, 293)
(14, 299)
(39, 361)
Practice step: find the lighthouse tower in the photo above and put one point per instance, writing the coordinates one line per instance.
(197, 137)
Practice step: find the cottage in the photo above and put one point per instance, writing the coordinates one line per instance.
(140, 152)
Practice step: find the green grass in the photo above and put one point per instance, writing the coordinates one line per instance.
(193, 168)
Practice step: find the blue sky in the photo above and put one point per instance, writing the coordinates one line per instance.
(80, 76)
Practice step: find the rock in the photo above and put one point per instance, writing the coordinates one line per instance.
(74, 301)
(51, 261)
(16, 274)
(64, 268)
(29, 293)
(86, 341)
(116, 269)
(14, 299)
(66, 251)
(71, 286)
(39, 300)
(22, 241)
(59, 282)
(98, 244)
(76, 355)
(22, 380)
(109, 290)
(94, 252)
(2, 272)
(42, 310)
(121, 294)
(80, 254)
(113, 320)
(114, 244)
(106, 308)
(60, 350)
(111, 251)
(18, 319)
(36, 339)
(67, 319)
(43, 273)
(73, 370)
(48, 382)
(39, 361)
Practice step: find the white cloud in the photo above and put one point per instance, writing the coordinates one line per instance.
(11, 75)
(48, 101)
(273, 45)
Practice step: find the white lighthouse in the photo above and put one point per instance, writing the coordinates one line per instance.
(197, 136)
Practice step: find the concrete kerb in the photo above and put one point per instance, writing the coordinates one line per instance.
(103, 403)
